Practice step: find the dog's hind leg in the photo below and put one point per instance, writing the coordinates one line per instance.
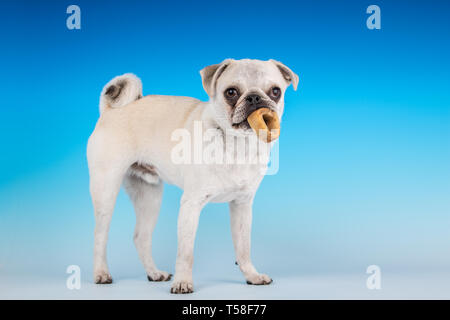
(146, 198)
(105, 182)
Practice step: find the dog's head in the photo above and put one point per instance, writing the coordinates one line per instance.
(238, 87)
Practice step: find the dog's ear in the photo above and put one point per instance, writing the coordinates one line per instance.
(287, 73)
(211, 73)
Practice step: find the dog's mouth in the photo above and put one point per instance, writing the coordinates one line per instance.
(243, 125)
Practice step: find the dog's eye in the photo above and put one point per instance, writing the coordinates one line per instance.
(231, 92)
(276, 92)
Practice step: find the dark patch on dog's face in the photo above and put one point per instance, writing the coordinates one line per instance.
(232, 95)
(274, 94)
(253, 102)
(249, 103)
(113, 91)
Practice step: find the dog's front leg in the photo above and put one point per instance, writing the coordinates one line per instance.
(241, 224)
(187, 227)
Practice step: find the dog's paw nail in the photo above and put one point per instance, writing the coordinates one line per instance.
(159, 276)
(260, 279)
(182, 287)
(103, 278)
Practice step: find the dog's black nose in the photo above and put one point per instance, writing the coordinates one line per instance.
(253, 99)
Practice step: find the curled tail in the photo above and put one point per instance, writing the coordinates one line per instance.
(120, 91)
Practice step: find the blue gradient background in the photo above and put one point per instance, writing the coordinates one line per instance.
(364, 154)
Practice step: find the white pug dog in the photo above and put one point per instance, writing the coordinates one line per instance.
(133, 143)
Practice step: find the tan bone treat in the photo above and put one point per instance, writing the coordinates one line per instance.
(265, 123)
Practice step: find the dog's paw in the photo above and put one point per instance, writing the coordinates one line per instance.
(182, 287)
(159, 276)
(259, 279)
(102, 277)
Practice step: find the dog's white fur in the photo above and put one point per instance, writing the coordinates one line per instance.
(131, 144)
(130, 92)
